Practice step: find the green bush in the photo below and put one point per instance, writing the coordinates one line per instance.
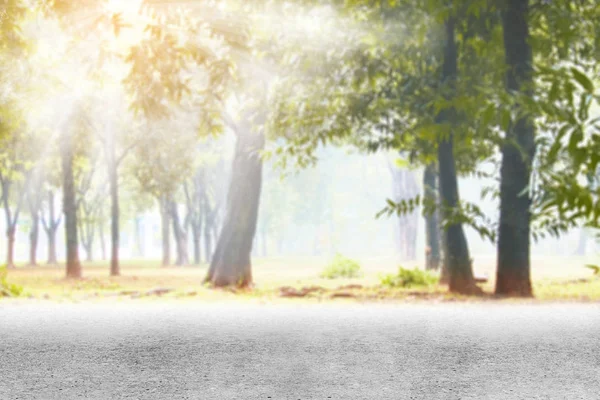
(409, 278)
(594, 268)
(8, 289)
(341, 267)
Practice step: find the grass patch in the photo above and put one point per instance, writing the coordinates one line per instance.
(380, 281)
(341, 267)
(8, 289)
(407, 278)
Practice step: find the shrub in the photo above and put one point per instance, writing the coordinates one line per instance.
(594, 268)
(8, 289)
(409, 278)
(341, 267)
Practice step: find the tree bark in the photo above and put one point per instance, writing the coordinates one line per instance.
(73, 265)
(52, 259)
(231, 264)
(457, 257)
(196, 237)
(10, 251)
(180, 237)
(432, 226)
(34, 235)
(208, 241)
(51, 226)
(102, 239)
(166, 239)
(513, 269)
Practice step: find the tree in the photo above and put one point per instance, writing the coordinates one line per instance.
(161, 173)
(181, 234)
(35, 198)
(457, 252)
(16, 152)
(432, 227)
(91, 195)
(388, 92)
(204, 194)
(51, 222)
(231, 264)
(405, 188)
(513, 271)
(68, 153)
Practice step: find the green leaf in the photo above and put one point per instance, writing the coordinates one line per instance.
(583, 80)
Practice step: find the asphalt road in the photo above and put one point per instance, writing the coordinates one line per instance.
(181, 351)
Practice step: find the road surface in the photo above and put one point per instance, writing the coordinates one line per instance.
(231, 351)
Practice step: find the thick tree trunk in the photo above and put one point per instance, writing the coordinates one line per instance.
(513, 269)
(460, 272)
(115, 269)
(166, 239)
(231, 263)
(432, 226)
(34, 235)
(73, 266)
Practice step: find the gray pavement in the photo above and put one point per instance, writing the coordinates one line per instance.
(231, 351)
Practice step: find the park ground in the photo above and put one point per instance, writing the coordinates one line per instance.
(291, 279)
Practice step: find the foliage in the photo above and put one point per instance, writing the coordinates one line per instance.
(8, 289)
(409, 278)
(341, 267)
(594, 268)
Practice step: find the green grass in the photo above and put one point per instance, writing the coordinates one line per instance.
(8, 289)
(341, 267)
(408, 278)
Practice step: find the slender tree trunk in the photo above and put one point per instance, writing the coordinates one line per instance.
(180, 237)
(208, 241)
(114, 213)
(513, 270)
(139, 245)
(102, 239)
(52, 227)
(52, 259)
(457, 251)
(231, 263)
(89, 257)
(413, 218)
(73, 266)
(432, 228)
(166, 239)
(34, 235)
(10, 242)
